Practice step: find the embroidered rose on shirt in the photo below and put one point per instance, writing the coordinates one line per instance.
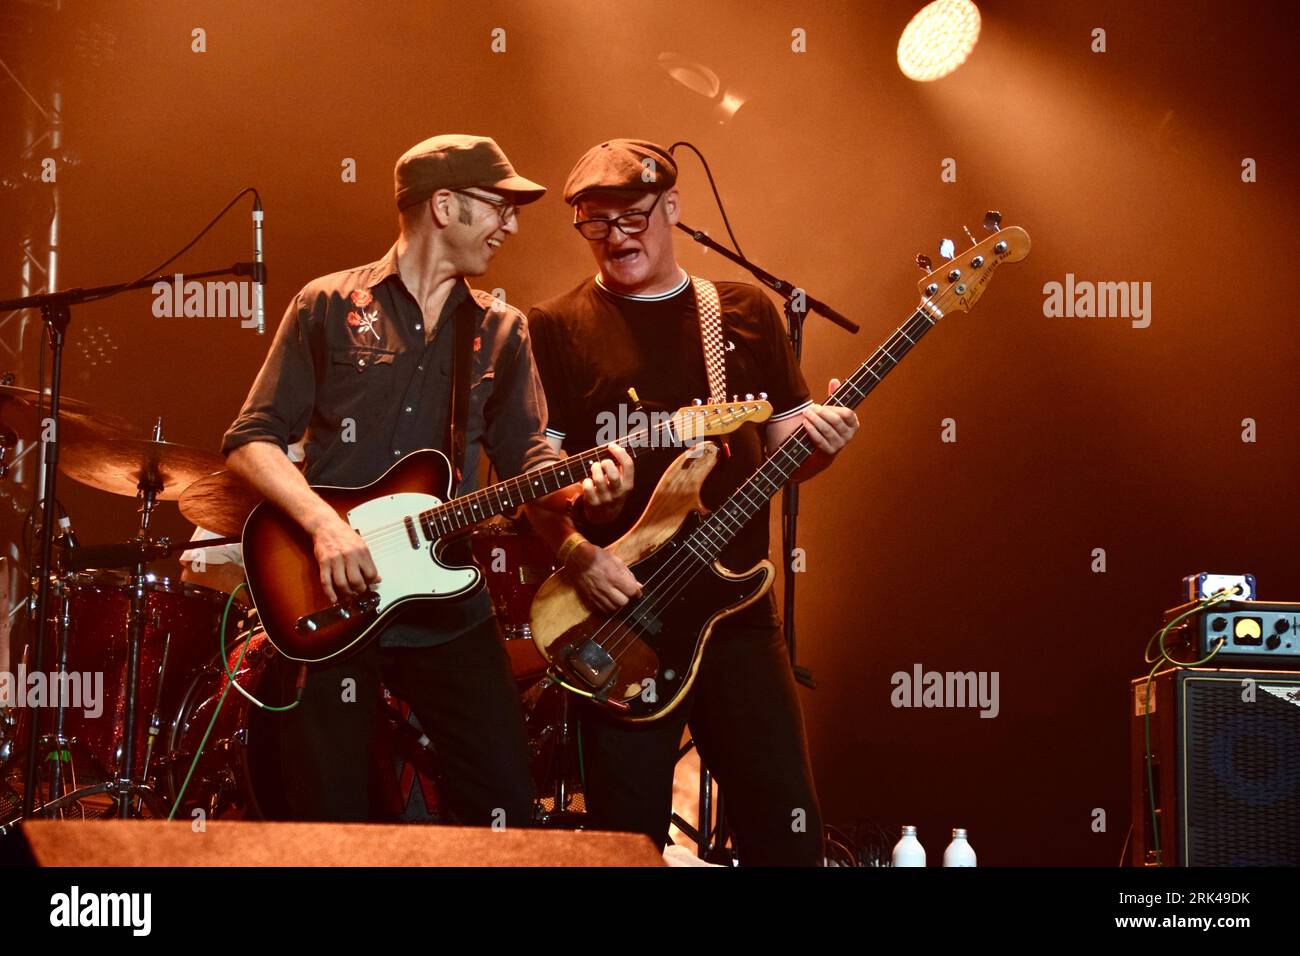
(366, 320)
(362, 298)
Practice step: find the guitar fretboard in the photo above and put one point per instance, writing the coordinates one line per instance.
(505, 496)
(721, 527)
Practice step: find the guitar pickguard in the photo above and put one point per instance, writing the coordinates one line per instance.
(406, 569)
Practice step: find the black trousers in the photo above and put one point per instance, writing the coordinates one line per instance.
(744, 716)
(464, 696)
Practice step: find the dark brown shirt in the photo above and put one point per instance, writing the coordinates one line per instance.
(352, 370)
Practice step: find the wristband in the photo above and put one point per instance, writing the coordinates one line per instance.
(570, 545)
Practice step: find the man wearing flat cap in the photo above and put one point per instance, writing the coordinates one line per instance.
(364, 367)
(641, 322)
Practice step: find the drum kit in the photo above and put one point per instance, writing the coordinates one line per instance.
(147, 743)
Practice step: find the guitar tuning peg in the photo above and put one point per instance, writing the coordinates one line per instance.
(924, 262)
(947, 249)
(993, 220)
(697, 401)
(762, 396)
(749, 396)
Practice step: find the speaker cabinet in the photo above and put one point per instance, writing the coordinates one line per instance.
(1225, 766)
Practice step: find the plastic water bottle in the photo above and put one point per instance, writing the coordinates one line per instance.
(959, 852)
(908, 851)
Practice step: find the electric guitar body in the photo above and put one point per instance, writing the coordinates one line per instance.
(284, 578)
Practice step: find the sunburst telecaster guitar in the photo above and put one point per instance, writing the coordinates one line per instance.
(642, 659)
(406, 520)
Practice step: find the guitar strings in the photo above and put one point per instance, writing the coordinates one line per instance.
(396, 531)
(389, 534)
(657, 602)
(679, 570)
(692, 568)
(385, 537)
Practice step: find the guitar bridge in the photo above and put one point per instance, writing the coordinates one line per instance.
(591, 664)
(339, 611)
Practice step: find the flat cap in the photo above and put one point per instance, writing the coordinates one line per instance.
(628, 165)
(455, 161)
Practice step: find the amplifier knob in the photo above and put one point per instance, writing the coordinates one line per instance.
(1272, 642)
(1218, 623)
(1281, 625)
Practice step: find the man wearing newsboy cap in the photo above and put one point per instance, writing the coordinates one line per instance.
(641, 322)
(362, 367)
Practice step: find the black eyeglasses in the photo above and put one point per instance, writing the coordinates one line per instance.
(504, 207)
(630, 223)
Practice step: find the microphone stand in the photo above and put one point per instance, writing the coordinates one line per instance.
(794, 317)
(710, 837)
(56, 312)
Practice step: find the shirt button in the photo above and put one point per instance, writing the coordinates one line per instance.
(419, 328)
(397, 453)
(419, 368)
(408, 408)
(361, 363)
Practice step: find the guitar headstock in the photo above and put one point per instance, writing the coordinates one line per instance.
(708, 421)
(962, 278)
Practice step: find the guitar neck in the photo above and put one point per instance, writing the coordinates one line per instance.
(725, 522)
(504, 496)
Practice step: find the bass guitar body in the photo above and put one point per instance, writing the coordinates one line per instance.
(644, 658)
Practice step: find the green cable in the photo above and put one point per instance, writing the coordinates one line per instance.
(198, 752)
(225, 662)
(565, 685)
(1164, 657)
(230, 682)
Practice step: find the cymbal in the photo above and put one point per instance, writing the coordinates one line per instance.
(31, 396)
(120, 465)
(23, 419)
(219, 502)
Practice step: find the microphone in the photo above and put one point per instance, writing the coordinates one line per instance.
(259, 269)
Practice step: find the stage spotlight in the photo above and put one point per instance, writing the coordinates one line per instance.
(938, 39)
(698, 78)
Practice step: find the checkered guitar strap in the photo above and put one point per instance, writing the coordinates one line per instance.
(715, 361)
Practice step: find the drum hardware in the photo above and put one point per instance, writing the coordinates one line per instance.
(181, 623)
(555, 767)
(152, 470)
(56, 315)
(60, 742)
(155, 715)
(175, 693)
(515, 562)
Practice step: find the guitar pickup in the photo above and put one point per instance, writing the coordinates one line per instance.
(340, 611)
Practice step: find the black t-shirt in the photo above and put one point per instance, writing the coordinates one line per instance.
(592, 345)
